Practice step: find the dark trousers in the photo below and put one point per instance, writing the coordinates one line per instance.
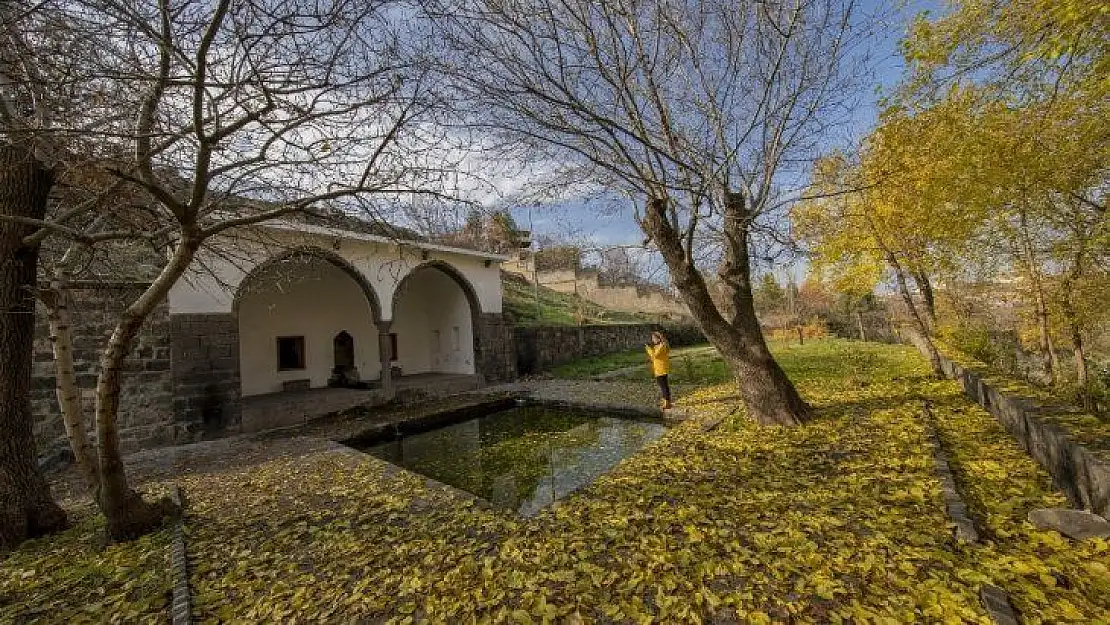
(664, 387)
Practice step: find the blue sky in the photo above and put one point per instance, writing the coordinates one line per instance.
(614, 224)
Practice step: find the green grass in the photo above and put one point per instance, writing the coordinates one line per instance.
(840, 519)
(555, 308)
(1091, 431)
(588, 367)
(700, 364)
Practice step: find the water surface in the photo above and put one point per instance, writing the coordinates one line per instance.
(524, 458)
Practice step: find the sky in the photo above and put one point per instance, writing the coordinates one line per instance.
(613, 224)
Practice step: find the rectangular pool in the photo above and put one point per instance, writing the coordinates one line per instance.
(523, 458)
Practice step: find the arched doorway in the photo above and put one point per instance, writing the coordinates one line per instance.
(300, 316)
(433, 322)
(344, 370)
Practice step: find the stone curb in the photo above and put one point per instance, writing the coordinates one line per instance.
(1081, 474)
(965, 531)
(181, 605)
(994, 600)
(997, 604)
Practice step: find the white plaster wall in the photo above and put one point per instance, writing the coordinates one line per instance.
(317, 306)
(210, 285)
(432, 302)
(485, 281)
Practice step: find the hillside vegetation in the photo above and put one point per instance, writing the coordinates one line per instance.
(556, 308)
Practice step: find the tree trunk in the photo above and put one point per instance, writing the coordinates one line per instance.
(56, 301)
(859, 324)
(26, 507)
(768, 394)
(926, 289)
(1078, 351)
(919, 333)
(127, 514)
(1081, 375)
(1048, 351)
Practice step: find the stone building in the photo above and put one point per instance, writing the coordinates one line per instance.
(284, 322)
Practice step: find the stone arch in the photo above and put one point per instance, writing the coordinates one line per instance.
(291, 309)
(308, 252)
(451, 272)
(443, 339)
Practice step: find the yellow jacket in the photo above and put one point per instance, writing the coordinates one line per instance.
(660, 356)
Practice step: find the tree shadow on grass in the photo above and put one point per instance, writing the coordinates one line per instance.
(862, 407)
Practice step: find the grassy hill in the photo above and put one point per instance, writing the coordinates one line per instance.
(556, 308)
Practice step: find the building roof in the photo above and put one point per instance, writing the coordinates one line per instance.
(343, 233)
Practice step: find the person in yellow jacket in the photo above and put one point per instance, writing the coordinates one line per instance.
(659, 353)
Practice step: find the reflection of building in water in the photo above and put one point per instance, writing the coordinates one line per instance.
(543, 496)
(529, 467)
(450, 455)
(504, 491)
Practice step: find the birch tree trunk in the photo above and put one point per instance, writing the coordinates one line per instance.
(26, 507)
(1048, 349)
(919, 331)
(925, 287)
(1078, 350)
(1032, 270)
(56, 301)
(1075, 330)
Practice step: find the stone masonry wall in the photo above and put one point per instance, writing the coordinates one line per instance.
(205, 372)
(1077, 470)
(585, 284)
(494, 348)
(146, 417)
(542, 347)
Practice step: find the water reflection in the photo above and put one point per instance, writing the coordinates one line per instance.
(522, 459)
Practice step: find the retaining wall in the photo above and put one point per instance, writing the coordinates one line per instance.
(542, 347)
(1081, 472)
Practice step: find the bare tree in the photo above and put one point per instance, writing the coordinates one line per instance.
(221, 115)
(695, 109)
(27, 176)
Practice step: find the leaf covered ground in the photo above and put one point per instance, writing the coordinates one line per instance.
(839, 520)
(1090, 430)
(72, 578)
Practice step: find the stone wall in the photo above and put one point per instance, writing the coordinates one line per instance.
(585, 284)
(542, 347)
(629, 298)
(205, 356)
(494, 348)
(1078, 471)
(146, 413)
